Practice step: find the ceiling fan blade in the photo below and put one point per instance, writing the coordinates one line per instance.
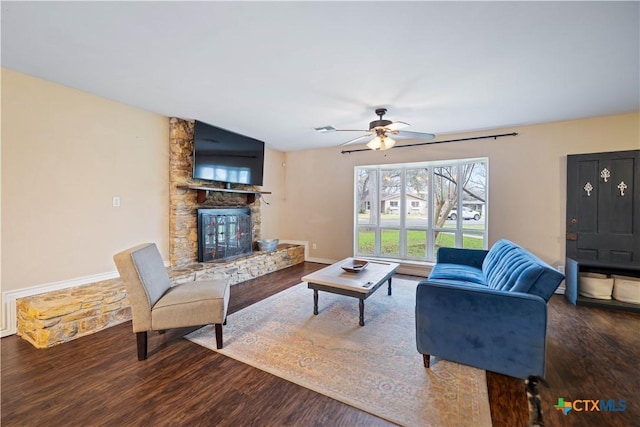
(356, 140)
(397, 126)
(351, 130)
(403, 134)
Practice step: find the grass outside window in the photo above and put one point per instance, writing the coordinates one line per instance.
(416, 241)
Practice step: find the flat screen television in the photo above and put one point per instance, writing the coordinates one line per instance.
(225, 156)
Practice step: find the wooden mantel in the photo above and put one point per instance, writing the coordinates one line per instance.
(203, 191)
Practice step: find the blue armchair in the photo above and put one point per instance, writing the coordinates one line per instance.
(487, 309)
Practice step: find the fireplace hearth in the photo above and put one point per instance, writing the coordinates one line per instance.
(224, 234)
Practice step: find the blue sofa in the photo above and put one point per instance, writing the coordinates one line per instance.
(487, 309)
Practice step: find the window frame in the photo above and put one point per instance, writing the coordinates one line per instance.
(459, 230)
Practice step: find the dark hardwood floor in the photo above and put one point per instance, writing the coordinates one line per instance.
(97, 381)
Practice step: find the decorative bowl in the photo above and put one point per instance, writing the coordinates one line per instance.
(355, 265)
(268, 245)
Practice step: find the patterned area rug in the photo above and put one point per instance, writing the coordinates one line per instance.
(375, 368)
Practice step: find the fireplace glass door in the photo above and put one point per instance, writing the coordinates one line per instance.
(224, 234)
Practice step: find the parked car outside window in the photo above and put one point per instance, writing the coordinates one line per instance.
(467, 213)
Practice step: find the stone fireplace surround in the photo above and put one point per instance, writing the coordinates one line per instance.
(56, 317)
(183, 221)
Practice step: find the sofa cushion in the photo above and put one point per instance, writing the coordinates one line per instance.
(457, 272)
(508, 267)
(192, 303)
(153, 274)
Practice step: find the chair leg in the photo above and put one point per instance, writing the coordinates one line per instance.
(218, 327)
(225, 321)
(141, 337)
(425, 360)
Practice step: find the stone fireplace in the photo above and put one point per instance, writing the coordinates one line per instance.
(224, 234)
(184, 203)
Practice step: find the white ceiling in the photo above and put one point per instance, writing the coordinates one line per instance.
(276, 70)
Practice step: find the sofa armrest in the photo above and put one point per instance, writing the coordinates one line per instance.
(472, 257)
(499, 331)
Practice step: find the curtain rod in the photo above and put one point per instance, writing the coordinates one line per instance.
(435, 142)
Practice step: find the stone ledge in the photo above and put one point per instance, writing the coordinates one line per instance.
(56, 317)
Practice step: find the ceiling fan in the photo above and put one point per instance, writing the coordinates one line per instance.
(382, 131)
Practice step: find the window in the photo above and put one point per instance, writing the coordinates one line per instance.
(409, 211)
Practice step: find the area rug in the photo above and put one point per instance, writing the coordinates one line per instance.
(375, 368)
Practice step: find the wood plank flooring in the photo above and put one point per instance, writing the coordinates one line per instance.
(97, 381)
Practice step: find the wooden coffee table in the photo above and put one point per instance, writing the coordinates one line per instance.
(360, 284)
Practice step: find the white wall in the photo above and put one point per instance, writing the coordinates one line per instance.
(65, 154)
(272, 206)
(527, 182)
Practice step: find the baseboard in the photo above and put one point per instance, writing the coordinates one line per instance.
(9, 315)
(306, 252)
(323, 260)
(9, 298)
(415, 270)
(411, 268)
(9, 319)
(561, 289)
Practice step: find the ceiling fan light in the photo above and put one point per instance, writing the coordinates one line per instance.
(387, 143)
(375, 143)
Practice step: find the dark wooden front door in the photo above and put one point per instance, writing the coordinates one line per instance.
(603, 208)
